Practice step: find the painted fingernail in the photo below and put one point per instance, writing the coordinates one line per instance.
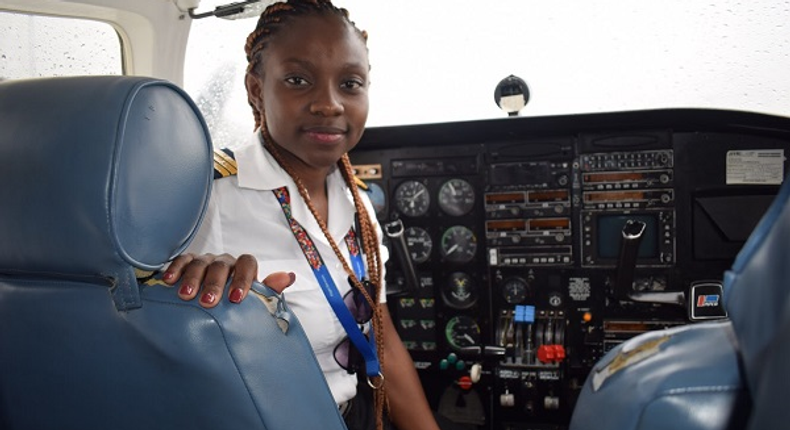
(167, 276)
(185, 290)
(235, 295)
(208, 298)
(291, 278)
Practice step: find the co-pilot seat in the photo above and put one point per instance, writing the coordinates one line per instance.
(102, 179)
(729, 375)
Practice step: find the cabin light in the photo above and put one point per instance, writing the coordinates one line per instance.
(237, 10)
(511, 95)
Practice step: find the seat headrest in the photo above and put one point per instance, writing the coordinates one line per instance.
(99, 176)
(756, 288)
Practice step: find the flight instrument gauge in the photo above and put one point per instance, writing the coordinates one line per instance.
(419, 243)
(412, 198)
(515, 290)
(377, 197)
(460, 292)
(456, 197)
(462, 331)
(459, 244)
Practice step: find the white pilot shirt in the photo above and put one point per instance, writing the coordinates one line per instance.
(244, 217)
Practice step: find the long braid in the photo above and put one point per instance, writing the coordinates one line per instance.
(271, 21)
(369, 237)
(375, 267)
(370, 242)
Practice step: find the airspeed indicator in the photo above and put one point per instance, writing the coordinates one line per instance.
(459, 244)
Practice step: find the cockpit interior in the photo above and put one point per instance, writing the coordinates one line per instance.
(534, 254)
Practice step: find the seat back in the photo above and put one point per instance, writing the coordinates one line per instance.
(101, 179)
(757, 297)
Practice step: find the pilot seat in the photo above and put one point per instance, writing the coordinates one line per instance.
(103, 180)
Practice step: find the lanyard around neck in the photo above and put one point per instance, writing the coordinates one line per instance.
(367, 347)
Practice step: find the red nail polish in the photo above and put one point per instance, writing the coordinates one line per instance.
(291, 278)
(185, 290)
(167, 276)
(208, 298)
(235, 295)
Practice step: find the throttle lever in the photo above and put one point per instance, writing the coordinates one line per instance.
(482, 351)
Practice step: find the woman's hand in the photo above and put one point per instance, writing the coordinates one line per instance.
(212, 273)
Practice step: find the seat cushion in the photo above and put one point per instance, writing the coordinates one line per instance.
(684, 378)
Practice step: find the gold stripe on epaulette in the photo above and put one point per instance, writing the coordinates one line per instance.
(225, 157)
(361, 183)
(224, 164)
(218, 168)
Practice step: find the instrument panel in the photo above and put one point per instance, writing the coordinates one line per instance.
(523, 249)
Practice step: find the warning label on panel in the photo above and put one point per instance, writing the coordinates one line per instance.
(579, 289)
(757, 167)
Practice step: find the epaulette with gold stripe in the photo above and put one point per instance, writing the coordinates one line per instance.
(360, 183)
(224, 163)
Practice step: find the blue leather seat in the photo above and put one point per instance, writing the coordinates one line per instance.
(757, 296)
(101, 180)
(720, 375)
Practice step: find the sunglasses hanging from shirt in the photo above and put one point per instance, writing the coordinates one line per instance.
(366, 346)
(345, 354)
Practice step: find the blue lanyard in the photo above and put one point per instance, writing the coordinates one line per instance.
(367, 347)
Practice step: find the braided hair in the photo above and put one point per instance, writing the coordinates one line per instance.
(271, 21)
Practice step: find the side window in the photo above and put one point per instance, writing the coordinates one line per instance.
(214, 76)
(39, 46)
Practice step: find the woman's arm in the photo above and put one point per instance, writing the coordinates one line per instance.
(408, 404)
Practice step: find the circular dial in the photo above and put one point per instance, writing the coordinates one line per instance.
(419, 243)
(460, 292)
(412, 198)
(515, 290)
(377, 197)
(456, 197)
(462, 331)
(459, 244)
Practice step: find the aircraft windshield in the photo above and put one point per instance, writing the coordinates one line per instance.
(440, 60)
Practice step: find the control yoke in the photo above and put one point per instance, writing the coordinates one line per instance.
(395, 231)
(633, 231)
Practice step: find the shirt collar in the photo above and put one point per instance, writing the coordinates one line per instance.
(258, 170)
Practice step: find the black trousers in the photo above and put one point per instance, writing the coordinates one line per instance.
(361, 414)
